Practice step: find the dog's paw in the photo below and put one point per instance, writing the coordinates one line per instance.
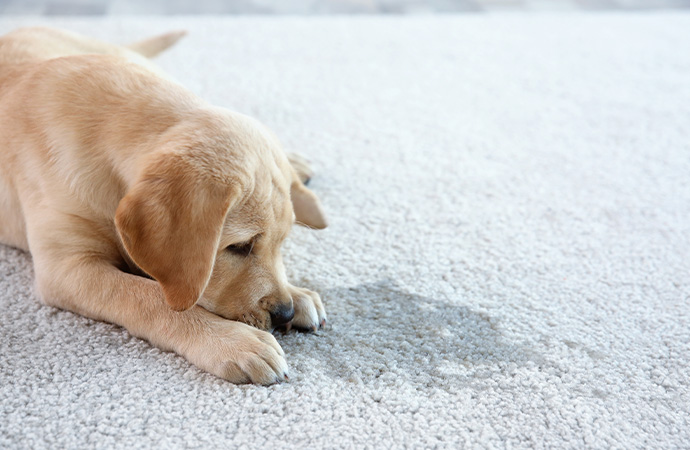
(301, 166)
(309, 311)
(239, 353)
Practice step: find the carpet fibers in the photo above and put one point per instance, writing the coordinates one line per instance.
(508, 261)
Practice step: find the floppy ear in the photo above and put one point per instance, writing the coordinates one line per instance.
(307, 207)
(170, 224)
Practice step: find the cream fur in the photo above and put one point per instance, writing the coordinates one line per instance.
(134, 196)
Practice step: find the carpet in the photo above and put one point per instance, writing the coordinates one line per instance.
(507, 264)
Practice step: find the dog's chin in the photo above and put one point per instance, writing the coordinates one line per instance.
(284, 327)
(260, 320)
(263, 324)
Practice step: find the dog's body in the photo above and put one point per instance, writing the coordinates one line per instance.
(146, 207)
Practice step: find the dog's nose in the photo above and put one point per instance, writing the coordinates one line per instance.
(282, 315)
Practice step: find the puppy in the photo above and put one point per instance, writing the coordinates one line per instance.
(144, 206)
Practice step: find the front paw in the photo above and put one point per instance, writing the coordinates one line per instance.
(238, 353)
(309, 311)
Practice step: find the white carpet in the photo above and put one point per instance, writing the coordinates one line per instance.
(507, 263)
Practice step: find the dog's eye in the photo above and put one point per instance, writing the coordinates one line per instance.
(241, 249)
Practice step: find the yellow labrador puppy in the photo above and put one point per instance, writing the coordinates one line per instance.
(144, 206)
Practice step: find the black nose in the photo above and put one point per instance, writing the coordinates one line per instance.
(282, 315)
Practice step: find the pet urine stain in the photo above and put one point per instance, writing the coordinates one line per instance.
(382, 333)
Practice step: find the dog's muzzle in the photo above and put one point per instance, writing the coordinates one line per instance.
(282, 315)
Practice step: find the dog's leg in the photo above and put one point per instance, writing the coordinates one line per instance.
(301, 166)
(309, 311)
(308, 210)
(75, 270)
(11, 218)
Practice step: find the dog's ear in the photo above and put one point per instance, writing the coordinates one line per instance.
(307, 207)
(170, 223)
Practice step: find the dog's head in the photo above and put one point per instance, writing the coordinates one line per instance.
(208, 212)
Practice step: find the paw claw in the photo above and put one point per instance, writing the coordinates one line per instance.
(309, 311)
(240, 353)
